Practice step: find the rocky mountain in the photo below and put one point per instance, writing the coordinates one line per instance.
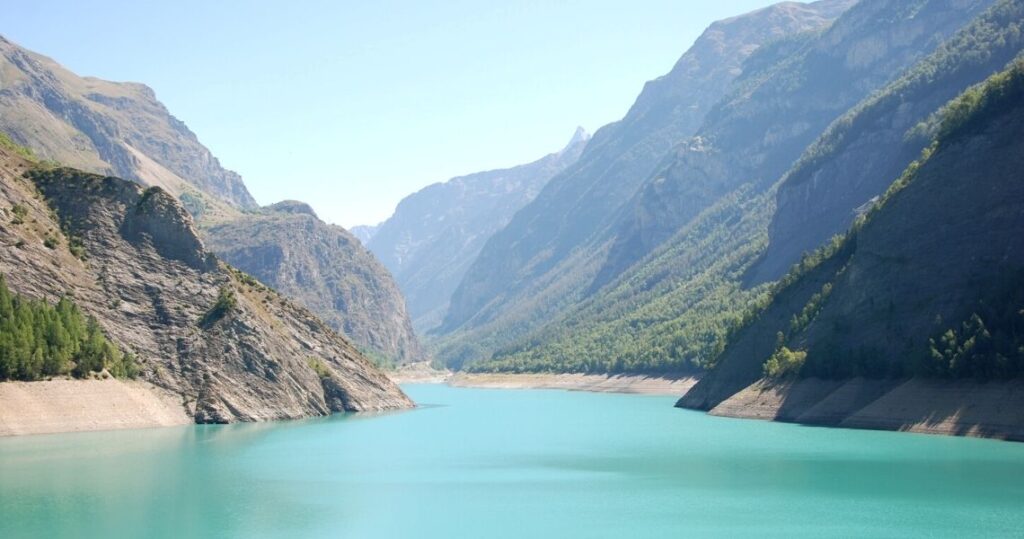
(576, 204)
(437, 232)
(121, 129)
(326, 269)
(364, 233)
(233, 349)
(926, 284)
(110, 128)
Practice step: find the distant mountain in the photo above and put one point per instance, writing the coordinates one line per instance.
(122, 130)
(535, 267)
(364, 233)
(658, 287)
(109, 128)
(325, 268)
(437, 232)
(228, 347)
(929, 283)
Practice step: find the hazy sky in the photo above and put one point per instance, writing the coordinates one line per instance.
(352, 105)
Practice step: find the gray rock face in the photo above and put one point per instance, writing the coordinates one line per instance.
(150, 282)
(436, 233)
(106, 127)
(324, 268)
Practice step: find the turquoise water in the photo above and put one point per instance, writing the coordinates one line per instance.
(505, 463)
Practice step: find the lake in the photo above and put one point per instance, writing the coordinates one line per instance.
(510, 463)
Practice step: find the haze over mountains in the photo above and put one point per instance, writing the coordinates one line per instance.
(436, 233)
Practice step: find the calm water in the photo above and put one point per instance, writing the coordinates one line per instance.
(497, 463)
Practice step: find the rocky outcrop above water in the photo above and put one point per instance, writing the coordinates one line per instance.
(231, 348)
(324, 268)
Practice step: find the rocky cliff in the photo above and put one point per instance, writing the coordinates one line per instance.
(233, 349)
(325, 268)
(109, 128)
(437, 232)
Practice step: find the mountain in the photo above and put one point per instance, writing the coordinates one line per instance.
(660, 283)
(324, 268)
(927, 284)
(576, 204)
(854, 161)
(437, 232)
(364, 233)
(229, 347)
(121, 129)
(109, 128)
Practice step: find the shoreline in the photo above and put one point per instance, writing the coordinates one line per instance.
(993, 410)
(668, 385)
(65, 406)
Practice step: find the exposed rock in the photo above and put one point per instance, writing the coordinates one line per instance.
(326, 269)
(108, 128)
(150, 283)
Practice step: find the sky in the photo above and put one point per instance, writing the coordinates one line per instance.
(352, 105)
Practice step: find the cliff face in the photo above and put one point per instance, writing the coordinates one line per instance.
(436, 233)
(109, 128)
(927, 286)
(324, 268)
(150, 283)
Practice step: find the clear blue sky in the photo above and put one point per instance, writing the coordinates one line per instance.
(352, 105)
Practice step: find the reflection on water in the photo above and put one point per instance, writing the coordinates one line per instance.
(474, 463)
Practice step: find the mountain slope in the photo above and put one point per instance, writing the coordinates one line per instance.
(231, 348)
(436, 233)
(325, 268)
(695, 226)
(108, 128)
(862, 152)
(878, 306)
(575, 204)
(121, 129)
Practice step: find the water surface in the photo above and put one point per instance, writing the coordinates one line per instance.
(510, 463)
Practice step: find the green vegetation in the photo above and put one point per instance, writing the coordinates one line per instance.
(39, 340)
(7, 143)
(318, 366)
(20, 212)
(987, 344)
(226, 302)
(784, 362)
(670, 313)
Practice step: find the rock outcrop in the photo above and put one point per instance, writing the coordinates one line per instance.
(111, 128)
(156, 291)
(324, 268)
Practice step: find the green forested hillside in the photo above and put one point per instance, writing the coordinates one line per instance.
(928, 283)
(675, 307)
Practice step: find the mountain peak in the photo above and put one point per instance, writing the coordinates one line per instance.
(581, 135)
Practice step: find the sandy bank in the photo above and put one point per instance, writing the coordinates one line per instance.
(418, 373)
(961, 408)
(83, 405)
(601, 383)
